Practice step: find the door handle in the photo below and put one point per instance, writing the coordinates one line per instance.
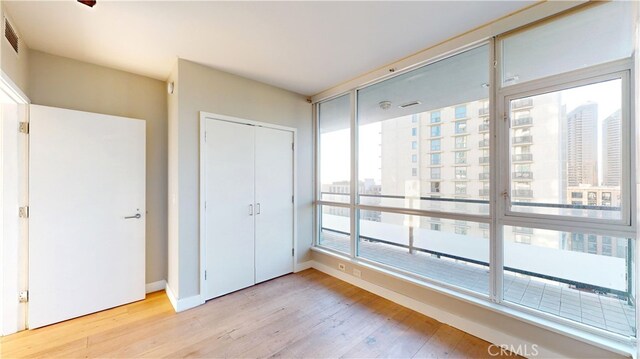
(258, 208)
(137, 216)
(251, 210)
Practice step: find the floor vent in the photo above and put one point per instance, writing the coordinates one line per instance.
(11, 35)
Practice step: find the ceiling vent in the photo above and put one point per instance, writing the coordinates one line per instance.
(409, 104)
(10, 35)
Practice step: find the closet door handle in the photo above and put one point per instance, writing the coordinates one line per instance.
(251, 210)
(258, 208)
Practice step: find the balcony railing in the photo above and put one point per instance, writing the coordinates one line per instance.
(522, 157)
(483, 111)
(483, 192)
(522, 193)
(483, 176)
(522, 121)
(522, 139)
(522, 175)
(483, 143)
(525, 102)
(483, 127)
(484, 159)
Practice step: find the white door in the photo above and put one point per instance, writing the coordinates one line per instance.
(230, 210)
(86, 174)
(274, 203)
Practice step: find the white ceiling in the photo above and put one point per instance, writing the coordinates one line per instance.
(305, 47)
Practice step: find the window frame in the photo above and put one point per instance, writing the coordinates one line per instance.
(620, 69)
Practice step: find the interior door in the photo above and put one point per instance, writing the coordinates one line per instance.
(274, 203)
(86, 213)
(229, 203)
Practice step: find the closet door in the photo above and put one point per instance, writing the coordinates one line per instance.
(230, 212)
(274, 204)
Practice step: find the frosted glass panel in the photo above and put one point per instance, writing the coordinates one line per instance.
(597, 35)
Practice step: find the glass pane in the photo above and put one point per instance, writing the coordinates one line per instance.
(415, 127)
(453, 252)
(566, 153)
(334, 118)
(584, 277)
(334, 225)
(559, 46)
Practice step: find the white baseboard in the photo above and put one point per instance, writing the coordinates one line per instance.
(180, 305)
(481, 331)
(302, 266)
(155, 286)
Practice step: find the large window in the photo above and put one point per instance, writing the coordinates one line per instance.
(540, 220)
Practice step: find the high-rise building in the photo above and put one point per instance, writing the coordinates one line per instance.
(611, 150)
(582, 145)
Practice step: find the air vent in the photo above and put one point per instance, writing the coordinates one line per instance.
(11, 35)
(409, 104)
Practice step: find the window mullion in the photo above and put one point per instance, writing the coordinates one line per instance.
(355, 215)
(496, 206)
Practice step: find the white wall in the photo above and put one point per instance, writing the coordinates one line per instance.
(62, 82)
(201, 88)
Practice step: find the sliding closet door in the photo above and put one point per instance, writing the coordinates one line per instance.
(229, 200)
(274, 204)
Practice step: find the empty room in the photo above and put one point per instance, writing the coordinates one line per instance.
(319, 179)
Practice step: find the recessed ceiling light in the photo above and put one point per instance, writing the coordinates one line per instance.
(385, 105)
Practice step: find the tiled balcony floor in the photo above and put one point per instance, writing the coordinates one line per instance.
(602, 311)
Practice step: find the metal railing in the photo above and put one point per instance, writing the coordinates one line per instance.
(483, 201)
(484, 176)
(483, 111)
(525, 102)
(522, 157)
(522, 139)
(483, 127)
(522, 193)
(522, 175)
(484, 143)
(483, 159)
(626, 295)
(522, 121)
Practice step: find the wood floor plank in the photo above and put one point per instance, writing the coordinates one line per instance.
(308, 314)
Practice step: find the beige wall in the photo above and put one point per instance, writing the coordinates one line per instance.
(14, 65)
(61, 82)
(478, 316)
(172, 181)
(201, 88)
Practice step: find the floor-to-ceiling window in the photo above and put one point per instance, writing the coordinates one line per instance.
(527, 200)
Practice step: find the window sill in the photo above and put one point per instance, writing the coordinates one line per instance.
(615, 343)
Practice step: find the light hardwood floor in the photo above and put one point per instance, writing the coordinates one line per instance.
(308, 314)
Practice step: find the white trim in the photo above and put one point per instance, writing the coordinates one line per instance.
(155, 286)
(13, 245)
(476, 329)
(180, 305)
(202, 150)
(299, 267)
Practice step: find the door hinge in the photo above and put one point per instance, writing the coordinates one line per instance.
(23, 212)
(205, 275)
(293, 252)
(24, 128)
(23, 296)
